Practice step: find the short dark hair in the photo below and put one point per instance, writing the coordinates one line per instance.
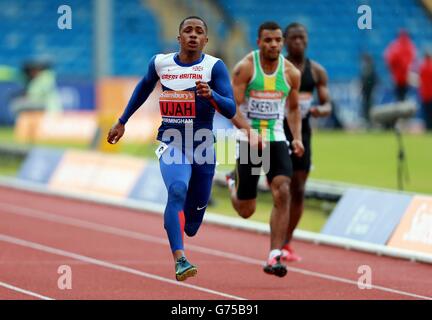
(193, 17)
(268, 25)
(292, 26)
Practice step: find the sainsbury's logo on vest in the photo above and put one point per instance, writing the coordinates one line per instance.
(266, 94)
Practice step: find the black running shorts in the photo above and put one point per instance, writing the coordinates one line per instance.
(246, 178)
(304, 162)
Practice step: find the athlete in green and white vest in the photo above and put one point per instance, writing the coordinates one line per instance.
(265, 87)
(265, 101)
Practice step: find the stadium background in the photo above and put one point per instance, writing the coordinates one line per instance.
(117, 38)
(100, 59)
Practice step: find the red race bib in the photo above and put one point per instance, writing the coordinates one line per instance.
(177, 106)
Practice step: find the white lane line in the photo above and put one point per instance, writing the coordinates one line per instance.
(219, 220)
(109, 265)
(34, 213)
(27, 292)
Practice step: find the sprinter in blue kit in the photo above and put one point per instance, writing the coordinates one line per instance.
(194, 86)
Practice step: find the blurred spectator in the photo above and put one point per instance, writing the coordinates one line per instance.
(40, 90)
(7, 74)
(399, 56)
(368, 82)
(426, 89)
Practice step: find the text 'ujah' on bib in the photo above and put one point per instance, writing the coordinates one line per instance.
(177, 106)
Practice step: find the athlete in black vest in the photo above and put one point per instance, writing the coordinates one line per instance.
(314, 76)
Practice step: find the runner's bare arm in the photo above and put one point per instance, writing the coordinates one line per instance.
(242, 75)
(240, 79)
(324, 109)
(294, 119)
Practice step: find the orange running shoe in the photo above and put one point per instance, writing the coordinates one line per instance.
(288, 254)
(230, 180)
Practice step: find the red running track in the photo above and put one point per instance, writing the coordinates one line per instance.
(119, 253)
